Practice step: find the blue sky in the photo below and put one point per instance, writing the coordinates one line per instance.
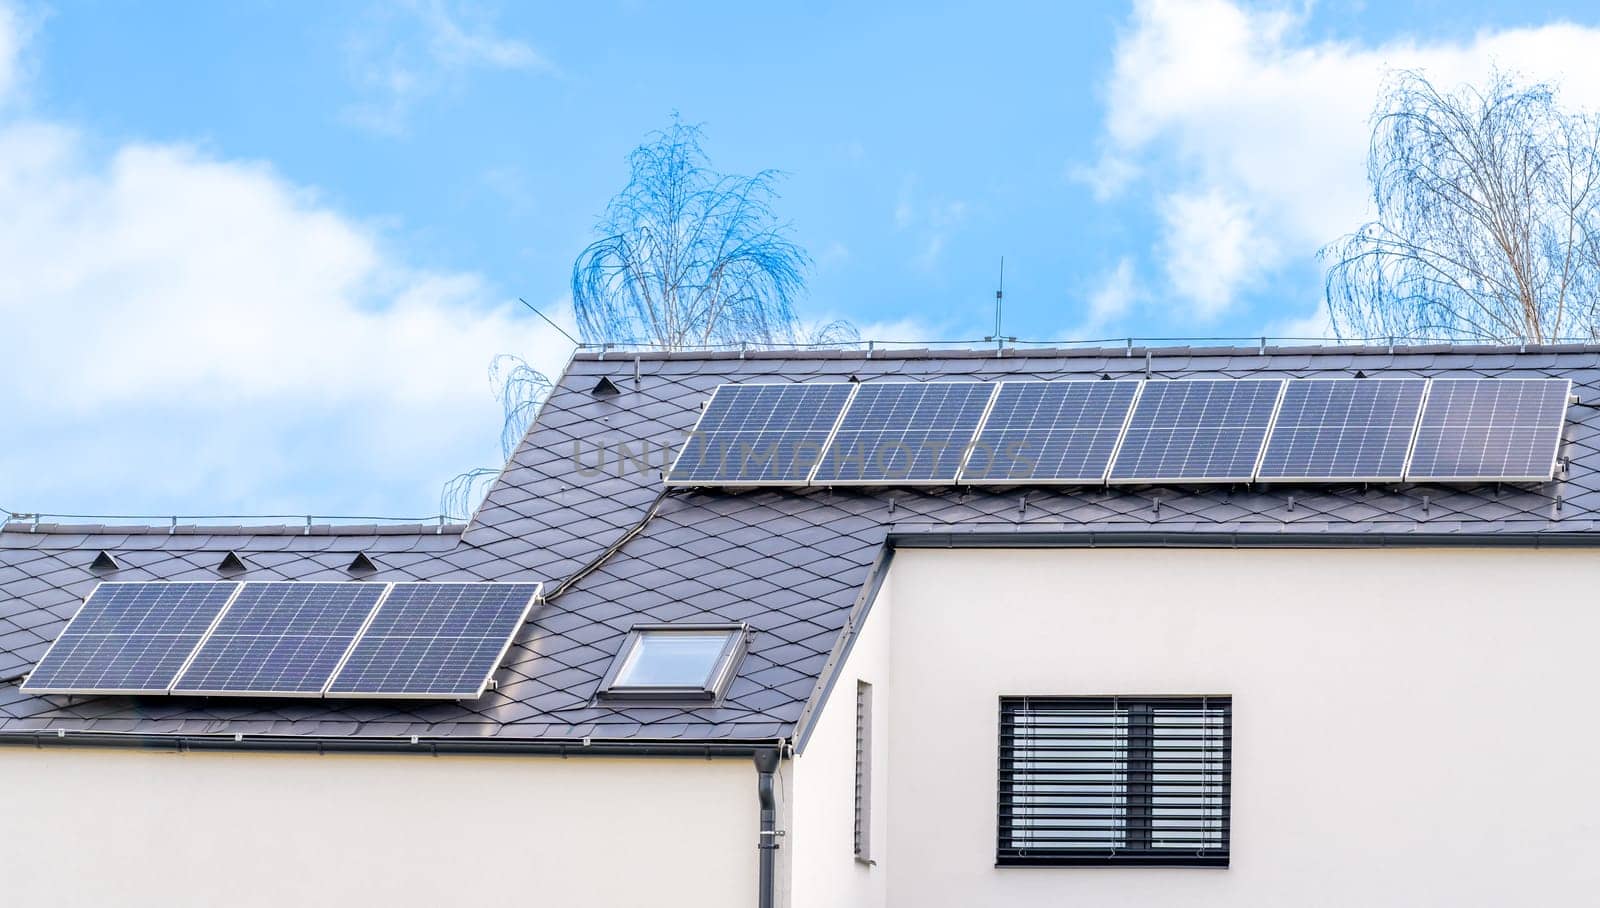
(260, 254)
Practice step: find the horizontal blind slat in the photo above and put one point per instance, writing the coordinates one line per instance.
(1118, 779)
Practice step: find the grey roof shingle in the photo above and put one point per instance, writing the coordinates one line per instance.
(791, 563)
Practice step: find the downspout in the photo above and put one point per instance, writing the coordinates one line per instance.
(766, 765)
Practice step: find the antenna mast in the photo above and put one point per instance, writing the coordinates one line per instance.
(999, 337)
(552, 324)
(999, 299)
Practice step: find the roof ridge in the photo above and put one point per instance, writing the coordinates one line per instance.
(195, 529)
(1056, 352)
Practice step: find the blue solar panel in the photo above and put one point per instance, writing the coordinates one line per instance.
(760, 435)
(904, 433)
(1344, 429)
(1043, 432)
(130, 638)
(1490, 430)
(1196, 431)
(435, 640)
(280, 639)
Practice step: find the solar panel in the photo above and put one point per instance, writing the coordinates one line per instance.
(1050, 432)
(1343, 430)
(130, 638)
(1196, 431)
(435, 640)
(280, 639)
(1490, 430)
(760, 434)
(904, 433)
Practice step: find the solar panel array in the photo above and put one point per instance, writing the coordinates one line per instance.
(761, 434)
(285, 639)
(1051, 432)
(1487, 430)
(130, 638)
(1342, 430)
(905, 433)
(1128, 432)
(1196, 431)
(435, 640)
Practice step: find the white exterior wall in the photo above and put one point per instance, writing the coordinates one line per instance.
(821, 834)
(90, 827)
(1411, 727)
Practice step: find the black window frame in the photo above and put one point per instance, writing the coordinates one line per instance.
(1138, 780)
(711, 690)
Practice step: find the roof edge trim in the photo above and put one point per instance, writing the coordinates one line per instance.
(924, 539)
(216, 529)
(842, 647)
(422, 747)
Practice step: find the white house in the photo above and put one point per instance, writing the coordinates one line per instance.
(1133, 661)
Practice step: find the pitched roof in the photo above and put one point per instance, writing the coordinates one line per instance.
(794, 564)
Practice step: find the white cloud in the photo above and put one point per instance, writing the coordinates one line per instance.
(932, 249)
(183, 332)
(453, 44)
(930, 220)
(13, 33)
(1232, 116)
(832, 255)
(903, 211)
(1211, 248)
(1315, 325)
(900, 333)
(1118, 290)
(1106, 177)
(421, 48)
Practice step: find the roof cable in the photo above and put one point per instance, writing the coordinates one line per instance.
(612, 549)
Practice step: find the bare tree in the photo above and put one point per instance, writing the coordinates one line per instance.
(1487, 221)
(690, 257)
(521, 390)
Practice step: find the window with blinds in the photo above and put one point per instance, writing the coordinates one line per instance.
(863, 811)
(1136, 781)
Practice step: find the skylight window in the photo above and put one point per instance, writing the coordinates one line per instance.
(675, 661)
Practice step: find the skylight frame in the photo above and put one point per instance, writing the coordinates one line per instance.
(711, 690)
